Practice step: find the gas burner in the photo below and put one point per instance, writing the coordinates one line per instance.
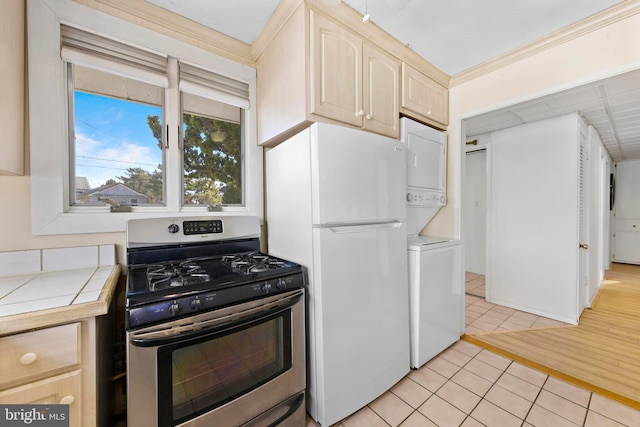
(175, 274)
(253, 262)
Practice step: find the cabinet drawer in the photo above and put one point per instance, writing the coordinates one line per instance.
(63, 388)
(34, 353)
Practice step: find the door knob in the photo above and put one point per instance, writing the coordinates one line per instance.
(584, 246)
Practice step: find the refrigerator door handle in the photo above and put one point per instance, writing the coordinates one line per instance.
(361, 227)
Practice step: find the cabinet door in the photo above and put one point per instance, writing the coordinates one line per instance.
(63, 388)
(336, 56)
(424, 96)
(380, 91)
(12, 22)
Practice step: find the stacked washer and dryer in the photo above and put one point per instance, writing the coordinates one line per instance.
(436, 277)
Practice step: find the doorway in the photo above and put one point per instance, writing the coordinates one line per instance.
(474, 217)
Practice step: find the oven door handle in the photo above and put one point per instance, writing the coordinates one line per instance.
(293, 407)
(191, 330)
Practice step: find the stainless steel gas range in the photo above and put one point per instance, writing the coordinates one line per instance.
(215, 329)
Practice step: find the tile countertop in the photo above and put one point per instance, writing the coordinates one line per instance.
(53, 286)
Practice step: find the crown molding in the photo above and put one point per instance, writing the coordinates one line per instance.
(607, 17)
(150, 16)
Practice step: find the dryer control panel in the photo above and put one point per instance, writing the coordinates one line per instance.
(418, 198)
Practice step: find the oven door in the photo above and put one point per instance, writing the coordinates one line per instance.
(225, 368)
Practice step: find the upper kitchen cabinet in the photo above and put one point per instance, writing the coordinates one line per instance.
(12, 21)
(423, 98)
(322, 63)
(353, 82)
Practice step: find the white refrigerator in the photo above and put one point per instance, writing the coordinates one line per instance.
(335, 204)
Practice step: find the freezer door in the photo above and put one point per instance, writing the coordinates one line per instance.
(360, 295)
(357, 176)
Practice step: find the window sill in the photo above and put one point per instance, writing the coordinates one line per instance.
(79, 222)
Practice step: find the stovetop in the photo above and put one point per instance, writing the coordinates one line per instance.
(161, 291)
(160, 280)
(177, 268)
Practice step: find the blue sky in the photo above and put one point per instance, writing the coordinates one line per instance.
(111, 136)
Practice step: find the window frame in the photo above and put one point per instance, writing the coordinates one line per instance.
(51, 212)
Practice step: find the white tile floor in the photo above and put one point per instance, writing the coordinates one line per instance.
(468, 386)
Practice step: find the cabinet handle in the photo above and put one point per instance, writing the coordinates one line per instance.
(361, 113)
(67, 400)
(368, 116)
(429, 112)
(28, 358)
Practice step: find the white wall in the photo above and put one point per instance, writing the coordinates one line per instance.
(15, 217)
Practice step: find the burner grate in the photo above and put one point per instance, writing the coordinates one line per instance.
(253, 262)
(175, 274)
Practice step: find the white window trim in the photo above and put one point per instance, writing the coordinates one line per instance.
(50, 211)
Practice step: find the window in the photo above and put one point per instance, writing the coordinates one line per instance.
(212, 152)
(127, 123)
(115, 145)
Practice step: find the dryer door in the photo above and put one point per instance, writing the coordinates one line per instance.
(426, 156)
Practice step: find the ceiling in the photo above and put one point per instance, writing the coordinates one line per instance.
(456, 35)
(611, 105)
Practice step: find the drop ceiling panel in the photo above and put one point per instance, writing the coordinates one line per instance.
(611, 106)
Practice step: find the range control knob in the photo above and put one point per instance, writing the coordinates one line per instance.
(196, 303)
(281, 284)
(174, 308)
(266, 287)
(173, 228)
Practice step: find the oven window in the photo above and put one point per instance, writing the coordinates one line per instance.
(196, 377)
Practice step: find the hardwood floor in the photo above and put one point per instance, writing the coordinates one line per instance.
(601, 353)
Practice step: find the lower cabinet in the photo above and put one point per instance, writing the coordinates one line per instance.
(59, 389)
(55, 365)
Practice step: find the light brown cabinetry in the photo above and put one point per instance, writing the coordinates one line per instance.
(315, 69)
(12, 72)
(51, 366)
(64, 388)
(353, 82)
(423, 98)
(318, 62)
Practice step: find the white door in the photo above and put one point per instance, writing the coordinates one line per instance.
(532, 240)
(598, 213)
(426, 157)
(474, 211)
(583, 222)
(361, 299)
(627, 208)
(357, 176)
